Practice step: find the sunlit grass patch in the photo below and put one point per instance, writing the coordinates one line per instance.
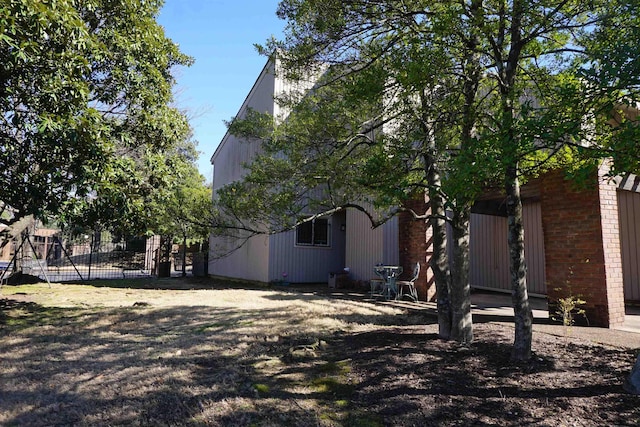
(341, 367)
(361, 419)
(262, 389)
(334, 386)
(268, 363)
(231, 356)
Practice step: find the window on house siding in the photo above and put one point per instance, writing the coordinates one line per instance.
(313, 233)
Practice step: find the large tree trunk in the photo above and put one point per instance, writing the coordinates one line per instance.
(462, 325)
(522, 311)
(510, 152)
(439, 260)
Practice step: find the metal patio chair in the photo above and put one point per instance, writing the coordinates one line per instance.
(377, 285)
(409, 285)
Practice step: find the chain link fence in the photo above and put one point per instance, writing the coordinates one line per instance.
(50, 255)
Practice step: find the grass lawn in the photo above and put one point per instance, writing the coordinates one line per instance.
(199, 352)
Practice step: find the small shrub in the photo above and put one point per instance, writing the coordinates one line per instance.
(568, 308)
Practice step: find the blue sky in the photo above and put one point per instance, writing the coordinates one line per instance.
(220, 35)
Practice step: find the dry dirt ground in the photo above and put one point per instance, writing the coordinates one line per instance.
(176, 352)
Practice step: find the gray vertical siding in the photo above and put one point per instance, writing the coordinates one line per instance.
(307, 264)
(264, 258)
(233, 153)
(489, 259)
(489, 253)
(364, 246)
(391, 245)
(250, 261)
(629, 217)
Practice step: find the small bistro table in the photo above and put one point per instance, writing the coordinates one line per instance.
(389, 274)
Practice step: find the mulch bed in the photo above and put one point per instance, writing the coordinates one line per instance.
(409, 377)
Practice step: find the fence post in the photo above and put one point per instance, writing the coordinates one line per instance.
(184, 256)
(93, 236)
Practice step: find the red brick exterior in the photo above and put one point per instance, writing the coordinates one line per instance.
(582, 245)
(414, 240)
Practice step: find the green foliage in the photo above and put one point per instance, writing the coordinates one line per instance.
(43, 96)
(451, 97)
(148, 192)
(416, 60)
(85, 93)
(185, 209)
(568, 308)
(397, 77)
(262, 389)
(612, 74)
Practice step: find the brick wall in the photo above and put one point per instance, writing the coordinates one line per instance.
(582, 246)
(612, 247)
(414, 240)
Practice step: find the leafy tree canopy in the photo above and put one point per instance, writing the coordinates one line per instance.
(412, 71)
(85, 95)
(491, 91)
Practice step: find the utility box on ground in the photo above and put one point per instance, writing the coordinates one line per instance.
(338, 279)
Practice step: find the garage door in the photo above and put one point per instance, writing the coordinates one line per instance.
(489, 259)
(629, 216)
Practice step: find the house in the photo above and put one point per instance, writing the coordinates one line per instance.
(312, 251)
(42, 238)
(578, 242)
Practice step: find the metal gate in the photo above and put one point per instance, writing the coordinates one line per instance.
(57, 257)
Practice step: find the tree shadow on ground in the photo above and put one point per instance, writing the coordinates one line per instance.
(200, 365)
(170, 283)
(404, 377)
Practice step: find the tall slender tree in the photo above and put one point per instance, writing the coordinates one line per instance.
(395, 72)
